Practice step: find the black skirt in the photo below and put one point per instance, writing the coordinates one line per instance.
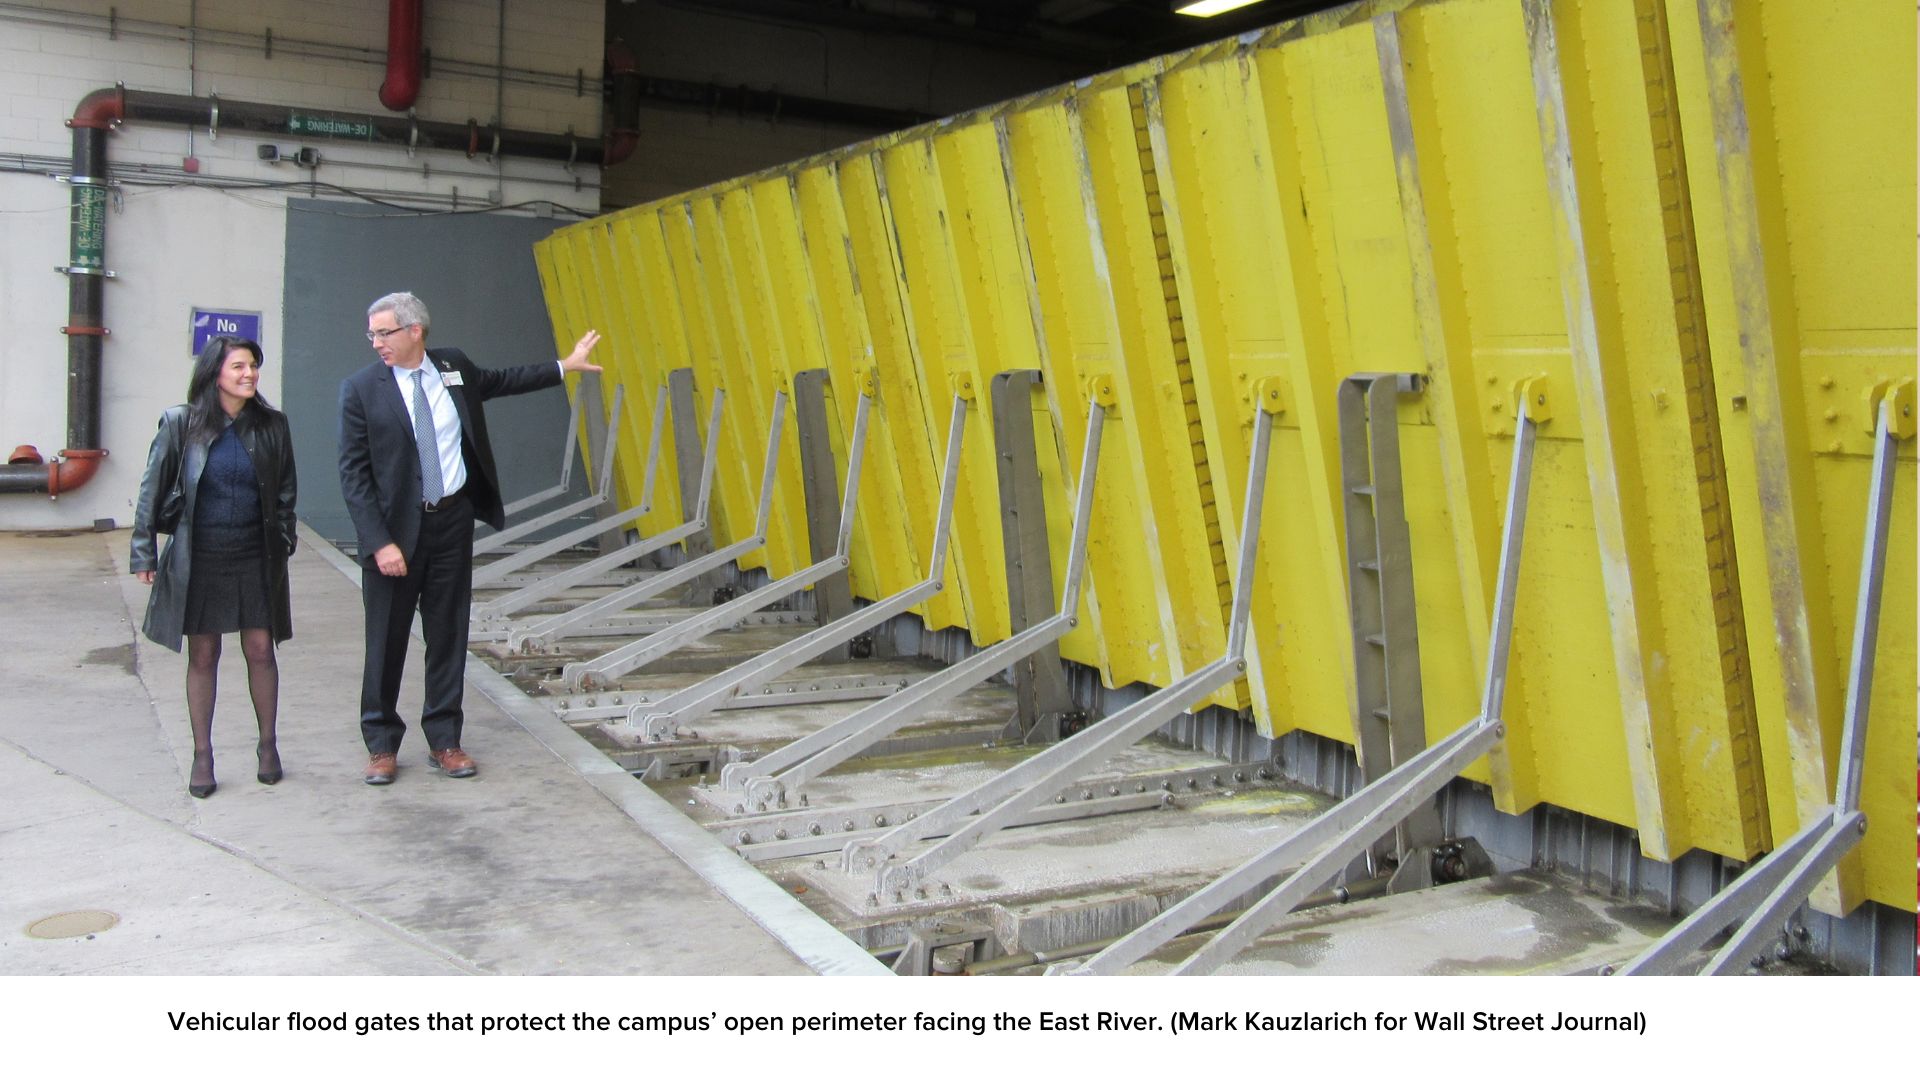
(227, 591)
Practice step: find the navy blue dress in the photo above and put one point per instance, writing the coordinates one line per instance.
(227, 588)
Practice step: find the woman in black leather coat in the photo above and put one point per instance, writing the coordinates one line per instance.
(220, 480)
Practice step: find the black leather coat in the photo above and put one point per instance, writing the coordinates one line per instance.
(167, 495)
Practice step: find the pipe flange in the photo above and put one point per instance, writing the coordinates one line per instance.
(81, 464)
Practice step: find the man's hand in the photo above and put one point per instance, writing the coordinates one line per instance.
(390, 561)
(577, 359)
(145, 576)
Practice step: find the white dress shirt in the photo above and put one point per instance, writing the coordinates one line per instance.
(446, 422)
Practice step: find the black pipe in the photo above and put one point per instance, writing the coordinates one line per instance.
(85, 280)
(23, 479)
(98, 113)
(471, 138)
(86, 274)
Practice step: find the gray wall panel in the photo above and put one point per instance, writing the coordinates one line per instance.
(477, 276)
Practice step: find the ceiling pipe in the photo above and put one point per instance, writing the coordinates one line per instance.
(103, 110)
(471, 138)
(404, 56)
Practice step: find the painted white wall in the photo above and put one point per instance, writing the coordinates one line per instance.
(173, 248)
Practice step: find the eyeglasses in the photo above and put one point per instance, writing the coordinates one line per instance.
(382, 335)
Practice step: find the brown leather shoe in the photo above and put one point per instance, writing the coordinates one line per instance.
(380, 769)
(453, 761)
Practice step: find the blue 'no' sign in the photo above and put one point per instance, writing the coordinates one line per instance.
(207, 324)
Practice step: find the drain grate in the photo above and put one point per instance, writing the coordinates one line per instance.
(69, 924)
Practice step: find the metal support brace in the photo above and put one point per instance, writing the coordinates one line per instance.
(596, 672)
(566, 463)
(553, 584)
(686, 448)
(1332, 840)
(611, 579)
(602, 492)
(1389, 722)
(645, 621)
(1789, 873)
(609, 666)
(662, 719)
(819, 688)
(1049, 814)
(1774, 888)
(769, 779)
(833, 597)
(1039, 682)
(498, 570)
(1006, 798)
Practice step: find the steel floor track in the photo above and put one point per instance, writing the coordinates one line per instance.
(1098, 858)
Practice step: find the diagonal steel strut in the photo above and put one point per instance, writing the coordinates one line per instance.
(769, 779)
(662, 719)
(609, 449)
(585, 675)
(1001, 801)
(566, 464)
(500, 568)
(609, 666)
(553, 584)
(1777, 885)
(1331, 841)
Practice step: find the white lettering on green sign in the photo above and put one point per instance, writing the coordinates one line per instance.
(308, 124)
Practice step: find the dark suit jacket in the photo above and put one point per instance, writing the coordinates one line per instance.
(380, 466)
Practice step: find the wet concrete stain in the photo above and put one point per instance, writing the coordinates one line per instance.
(1304, 950)
(1649, 921)
(120, 656)
(1513, 885)
(1566, 927)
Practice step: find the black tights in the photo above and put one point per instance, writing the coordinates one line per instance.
(263, 684)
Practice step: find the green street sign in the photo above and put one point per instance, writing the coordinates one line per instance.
(331, 127)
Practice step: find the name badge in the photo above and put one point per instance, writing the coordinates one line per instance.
(452, 378)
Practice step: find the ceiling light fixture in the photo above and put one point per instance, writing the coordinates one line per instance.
(1205, 9)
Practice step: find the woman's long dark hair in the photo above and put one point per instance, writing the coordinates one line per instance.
(205, 418)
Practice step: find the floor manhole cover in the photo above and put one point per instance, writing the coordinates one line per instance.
(73, 924)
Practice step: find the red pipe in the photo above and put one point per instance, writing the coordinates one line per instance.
(623, 119)
(74, 468)
(25, 470)
(402, 85)
(101, 109)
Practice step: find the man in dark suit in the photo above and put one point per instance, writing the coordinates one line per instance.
(416, 471)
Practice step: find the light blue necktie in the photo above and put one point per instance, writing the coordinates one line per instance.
(431, 485)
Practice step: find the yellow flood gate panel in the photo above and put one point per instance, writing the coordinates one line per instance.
(1798, 132)
(1681, 234)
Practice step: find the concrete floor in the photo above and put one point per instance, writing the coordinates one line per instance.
(1514, 924)
(552, 860)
